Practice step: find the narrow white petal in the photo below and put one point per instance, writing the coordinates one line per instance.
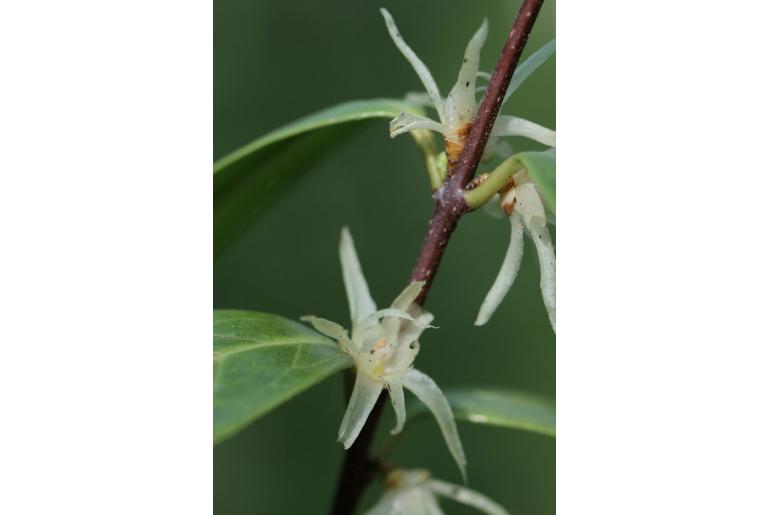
(396, 390)
(410, 501)
(370, 327)
(403, 357)
(410, 332)
(507, 273)
(525, 69)
(359, 299)
(530, 206)
(430, 503)
(403, 301)
(366, 336)
(460, 106)
(430, 394)
(374, 317)
(419, 98)
(514, 126)
(406, 122)
(547, 256)
(407, 346)
(422, 71)
(326, 327)
(466, 496)
(362, 400)
(407, 295)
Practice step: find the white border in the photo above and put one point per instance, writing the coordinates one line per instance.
(105, 206)
(663, 263)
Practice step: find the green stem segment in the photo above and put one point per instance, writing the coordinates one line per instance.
(480, 195)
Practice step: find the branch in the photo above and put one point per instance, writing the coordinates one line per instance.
(358, 469)
(450, 202)
(498, 85)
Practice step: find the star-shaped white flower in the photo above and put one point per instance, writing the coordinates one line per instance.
(526, 211)
(456, 112)
(413, 492)
(383, 345)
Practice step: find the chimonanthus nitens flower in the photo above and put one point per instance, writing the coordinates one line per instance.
(413, 492)
(457, 110)
(383, 345)
(526, 210)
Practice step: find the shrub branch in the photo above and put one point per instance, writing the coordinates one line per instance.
(449, 206)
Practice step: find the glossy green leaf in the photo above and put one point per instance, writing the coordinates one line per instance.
(261, 361)
(250, 178)
(542, 170)
(503, 408)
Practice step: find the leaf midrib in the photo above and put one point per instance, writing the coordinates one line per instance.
(259, 344)
(307, 124)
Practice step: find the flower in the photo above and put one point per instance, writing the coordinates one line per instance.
(525, 210)
(457, 110)
(383, 345)
(413, 492)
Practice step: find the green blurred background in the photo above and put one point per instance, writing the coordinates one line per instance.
(275, 61)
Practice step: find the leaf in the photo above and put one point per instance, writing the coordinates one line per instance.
(503, 408)
(542, 170)
(250, 178)
(261, 361)
(525, 69)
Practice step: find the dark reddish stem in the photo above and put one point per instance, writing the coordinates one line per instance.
(498, 85)
(358, 468)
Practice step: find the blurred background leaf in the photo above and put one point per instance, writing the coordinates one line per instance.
(502, 408)
(275, 62)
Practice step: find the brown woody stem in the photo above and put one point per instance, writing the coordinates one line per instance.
(358, 468)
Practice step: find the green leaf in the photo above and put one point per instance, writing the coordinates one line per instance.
(503, 408)
(249, 179)
(542, 170)
(525, 69)
(261, 361)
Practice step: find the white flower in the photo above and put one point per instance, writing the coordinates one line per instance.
(413, 492)
(383, 345)
(523, 205)
(456, 112)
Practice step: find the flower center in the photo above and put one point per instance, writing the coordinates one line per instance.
(373, 361)
(378, 345)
